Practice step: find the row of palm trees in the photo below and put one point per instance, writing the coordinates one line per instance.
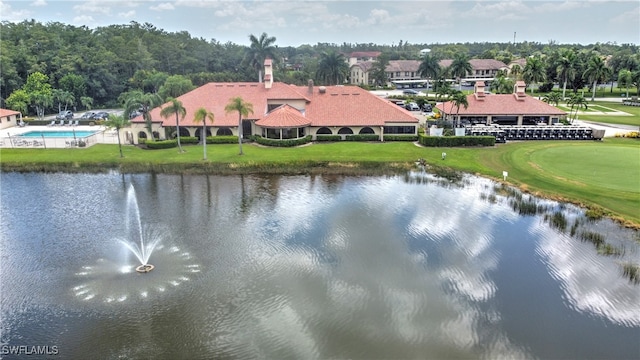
(534, 71)
(145, 102)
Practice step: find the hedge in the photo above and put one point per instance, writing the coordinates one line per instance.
(225, 139)
(328, 137)
(282, 143)
(363, 137)
(453, 141)
(189, 140)
(162, 144)
(400, 138)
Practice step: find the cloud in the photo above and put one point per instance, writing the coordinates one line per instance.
(378, 17)
(12, 15)
(162, 7)
(630, 17)
(129, 14)
(39, 3)
(83, 19)
(92, 7)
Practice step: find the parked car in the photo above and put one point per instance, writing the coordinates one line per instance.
(412, 107)
(410, 92)
(64, 115)
(135, 113)
(426, 107)
(88, 115)
(101, 115)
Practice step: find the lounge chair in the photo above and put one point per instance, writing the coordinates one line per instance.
(69, 123)
(61, 123)
(52, 123)
(76, 123)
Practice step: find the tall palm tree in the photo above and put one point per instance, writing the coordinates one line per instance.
(429, 69)
(625, 78)
(202, 115)
(516, 71)
(566, 68)
(175, 107)
(460, 67)
(577, 101)
(597, 70)
(244, 109)
(117, 122)
(459, 99)
(332, 68)
(144, 102)
(534, 72)
(260, 49)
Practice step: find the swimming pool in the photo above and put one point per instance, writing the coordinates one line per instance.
(59, 134)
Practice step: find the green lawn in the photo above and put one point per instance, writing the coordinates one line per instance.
(594, 173)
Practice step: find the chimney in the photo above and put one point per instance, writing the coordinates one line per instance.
(479, 90)
(310, 90)
(519, 90)
(268, 73)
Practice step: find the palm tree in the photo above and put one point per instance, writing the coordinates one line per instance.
(625, 78)
(534, 72)
(260, 49)
(117, 122)
(566, 68)
(516, 71)
(244, 109)
(202, 115)
(459, 98)
(460, 67)
(332, 67)
(175, 107)
(552, 98)
(597, 70)
(137, 100)
(577, 101)
(429, 68)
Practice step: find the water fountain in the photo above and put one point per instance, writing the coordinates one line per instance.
(138, 241)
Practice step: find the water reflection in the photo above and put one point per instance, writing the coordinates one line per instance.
(308, 267)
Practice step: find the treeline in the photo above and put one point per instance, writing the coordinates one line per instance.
(86, 68)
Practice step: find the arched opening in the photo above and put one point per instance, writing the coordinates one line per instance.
(156, 135)
(224, 131)
(345, 131)
(324, 131)
(199, 133)
(366, 130)
(142, 135)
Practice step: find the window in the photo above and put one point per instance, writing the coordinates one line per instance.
(400, 130)
(324, 131)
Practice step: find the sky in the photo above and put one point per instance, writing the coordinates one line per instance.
(297, 22)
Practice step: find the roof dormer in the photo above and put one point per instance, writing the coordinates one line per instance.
(268, 73)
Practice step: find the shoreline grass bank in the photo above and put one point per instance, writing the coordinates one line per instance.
(606, 179)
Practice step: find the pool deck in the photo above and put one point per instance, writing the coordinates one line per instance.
(9, 136)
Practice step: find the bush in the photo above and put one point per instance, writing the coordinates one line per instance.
(452, 141)
(162, 144)
(227, 139)
(189, 140)
(363, 137)
(401, 137)
(328, 138)
(282, 143)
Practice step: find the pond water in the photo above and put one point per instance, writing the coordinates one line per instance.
(308, 267)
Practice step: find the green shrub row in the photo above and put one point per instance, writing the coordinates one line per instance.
(401, 138)
(328, 137)
(226, 139)
(162, 144)
(282, 143)
(362, 137)
(453, 141)
(189, 140)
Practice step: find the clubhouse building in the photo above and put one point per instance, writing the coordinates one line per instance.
(282, 111)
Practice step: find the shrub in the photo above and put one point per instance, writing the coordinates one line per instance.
(452, 141)
(227, 139)
(161, 144)
(363, 137)
(189, 140)
(282, 143)
(328, 137)
(400, 138)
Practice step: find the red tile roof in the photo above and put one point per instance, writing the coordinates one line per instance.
(359, 54)
(477, 64)
(7, 112)
(284, 116)
(501, 104)
(337, 106)
(353, 106)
